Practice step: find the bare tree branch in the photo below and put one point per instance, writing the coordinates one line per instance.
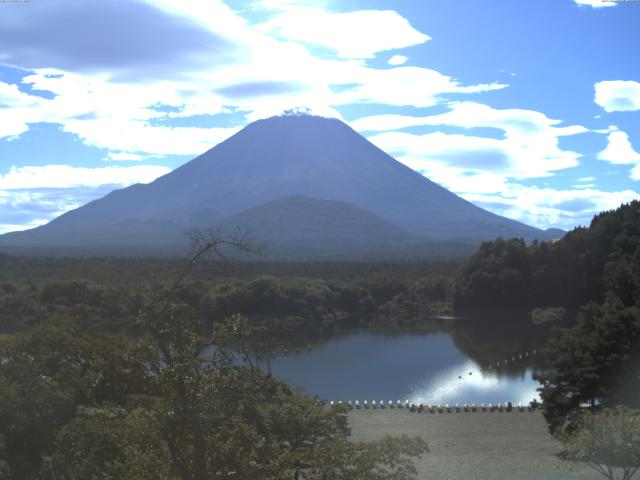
(218, 247)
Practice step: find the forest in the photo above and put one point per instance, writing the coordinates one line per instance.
(106, 363)
(592, 274)
(105, 370)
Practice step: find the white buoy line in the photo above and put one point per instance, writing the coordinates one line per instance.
(432, 408)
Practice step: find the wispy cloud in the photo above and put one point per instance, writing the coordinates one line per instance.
(66, 176)
(529, 146)
(596, 3)
(33, 195)
(355, 34)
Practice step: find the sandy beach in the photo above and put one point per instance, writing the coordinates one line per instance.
(482, 446)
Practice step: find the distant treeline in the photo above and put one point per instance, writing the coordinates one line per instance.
(104, 294)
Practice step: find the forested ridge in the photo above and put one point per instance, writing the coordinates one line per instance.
(583, 266)
(594, 274)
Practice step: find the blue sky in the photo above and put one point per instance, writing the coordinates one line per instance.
(530, 109)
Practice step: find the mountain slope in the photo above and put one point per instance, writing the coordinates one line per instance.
(274, 158)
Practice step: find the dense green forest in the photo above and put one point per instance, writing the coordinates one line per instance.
(105, 294)
(585, 265)
(594, 274)
(104, 376)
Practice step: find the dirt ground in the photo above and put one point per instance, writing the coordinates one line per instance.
(470, 446)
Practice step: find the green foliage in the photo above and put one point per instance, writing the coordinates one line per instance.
(105, 295)
(497, 275)
(581, 267)
(291, 303)
(595, 271)
(46, 373)
(607, 441)
(173, 399)
(175, 404)
(108, 443)
(597, 362)
(424, 298)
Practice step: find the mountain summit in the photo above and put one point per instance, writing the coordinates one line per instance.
(297, 158)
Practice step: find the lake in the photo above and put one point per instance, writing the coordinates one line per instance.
(419, 367)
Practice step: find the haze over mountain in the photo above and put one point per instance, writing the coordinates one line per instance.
(293, 179)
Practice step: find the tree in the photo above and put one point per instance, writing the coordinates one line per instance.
(597, 362)
(108, 443)
(220, 418)
(45, 374)
(607, 441)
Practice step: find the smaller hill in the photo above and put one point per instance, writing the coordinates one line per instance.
(298, 228)
(301, 227)
(301, 218)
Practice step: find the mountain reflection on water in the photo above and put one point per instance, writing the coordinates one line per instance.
(439, 364)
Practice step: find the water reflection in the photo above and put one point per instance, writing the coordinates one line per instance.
(421, 367)
(467, 383)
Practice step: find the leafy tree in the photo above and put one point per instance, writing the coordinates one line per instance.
(597, 362)
(46, 373)
(607, 441)
(583, 266)
(108, 443)
(216, 416)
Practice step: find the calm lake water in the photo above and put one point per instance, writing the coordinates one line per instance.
(419, 367)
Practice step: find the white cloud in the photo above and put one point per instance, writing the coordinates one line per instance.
(33, 195)
(512, 121)
(402, 86)
(618, 95)
(356, 34)
(543, 207)
(9, 227)
(619, 151)
(136, 136)
(397, 60)
(596, 3)
(66, 176)
(268, 76)
(529, 146)
(124, 157)
(548, 207)
(17, 109)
